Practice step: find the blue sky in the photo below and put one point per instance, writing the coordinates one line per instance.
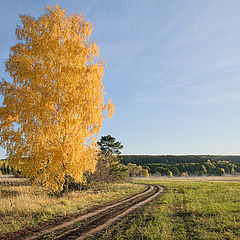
(172, 70)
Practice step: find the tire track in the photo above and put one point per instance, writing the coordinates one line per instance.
(98, 220)
(119, 216)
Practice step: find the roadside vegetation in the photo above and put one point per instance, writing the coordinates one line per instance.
(189, 210)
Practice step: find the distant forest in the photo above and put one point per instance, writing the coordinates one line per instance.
(171, 165)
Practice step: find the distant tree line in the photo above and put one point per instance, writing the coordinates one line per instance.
(167, 159)
(230, 158)
(183, 165)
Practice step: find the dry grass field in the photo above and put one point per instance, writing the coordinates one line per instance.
(24, 205)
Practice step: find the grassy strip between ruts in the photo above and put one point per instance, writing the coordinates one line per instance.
(189, 210)
(22, 206)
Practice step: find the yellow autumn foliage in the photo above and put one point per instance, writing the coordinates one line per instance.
(53, 108)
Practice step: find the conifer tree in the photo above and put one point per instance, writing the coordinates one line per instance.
(53, 108)
(109, 146)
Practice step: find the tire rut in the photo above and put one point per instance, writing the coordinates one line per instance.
(89, 224)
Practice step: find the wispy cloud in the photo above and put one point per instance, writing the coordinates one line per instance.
(200, 62)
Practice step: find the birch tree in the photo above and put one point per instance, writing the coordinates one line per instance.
(53, 106)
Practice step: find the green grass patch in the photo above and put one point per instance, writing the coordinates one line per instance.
(189, 210)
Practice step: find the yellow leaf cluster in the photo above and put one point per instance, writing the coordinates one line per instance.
(54, 107)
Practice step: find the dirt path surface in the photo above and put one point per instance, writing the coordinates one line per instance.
(93, 222)
(119, 216)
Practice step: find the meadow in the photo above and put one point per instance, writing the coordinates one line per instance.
(23, 205)
(192, 208)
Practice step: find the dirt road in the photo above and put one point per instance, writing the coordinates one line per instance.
(93, 222)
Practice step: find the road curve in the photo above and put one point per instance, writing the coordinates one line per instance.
(119, 216)
(91, 223)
